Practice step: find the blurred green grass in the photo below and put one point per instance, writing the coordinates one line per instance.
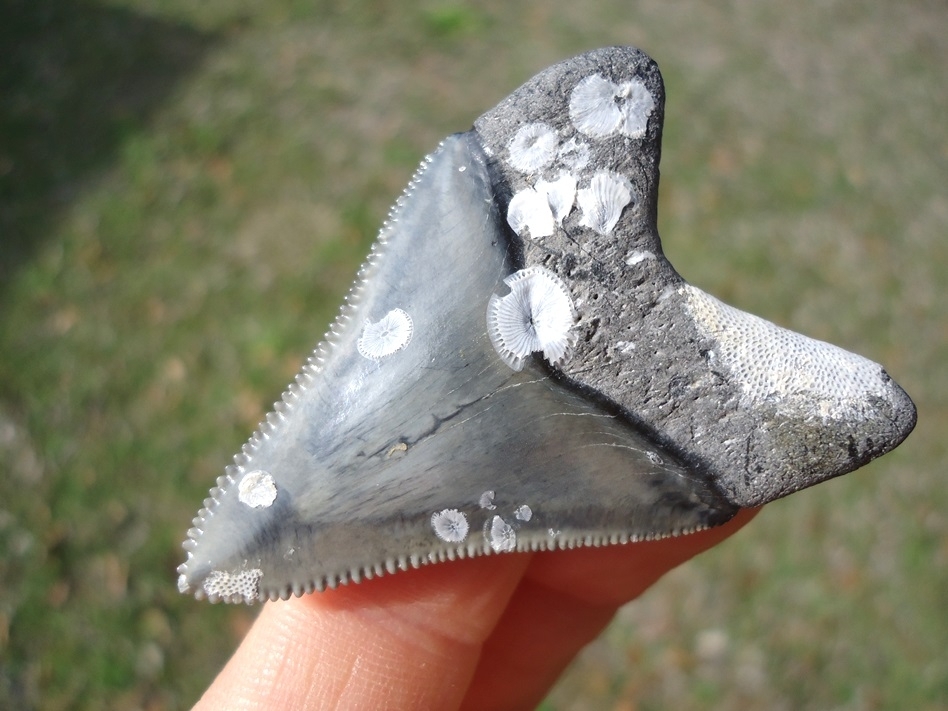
(186, 190)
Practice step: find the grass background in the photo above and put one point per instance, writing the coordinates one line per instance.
(186, 190)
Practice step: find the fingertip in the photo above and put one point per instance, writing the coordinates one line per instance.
(407, 640)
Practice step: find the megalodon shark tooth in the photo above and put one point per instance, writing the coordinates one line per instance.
(518, 367)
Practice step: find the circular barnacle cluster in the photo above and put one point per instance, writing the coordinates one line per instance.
(386, 336)
(537, 209)
(535, 317)
(600, 108)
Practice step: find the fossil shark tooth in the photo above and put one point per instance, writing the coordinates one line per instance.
(487, 389)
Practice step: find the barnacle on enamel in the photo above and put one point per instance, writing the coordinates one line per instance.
(386, 336)
(535, 317)
(487, 500)
(257, 489)
(533, 147)
(503, 538)
(450, 525)
(599, 108)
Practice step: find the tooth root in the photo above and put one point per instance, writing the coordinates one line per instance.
(690, 368)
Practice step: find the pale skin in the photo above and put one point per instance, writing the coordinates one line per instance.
(485, 633)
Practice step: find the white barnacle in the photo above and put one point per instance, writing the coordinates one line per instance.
(603, 201)
(257, 489)
(560, 195)
(536, 316)
(533, 147)
(450, 525)
(600, 108)
(503, 538)
(386, 336)
(487, 500)
(242, 585)
(574, 154)
(539, 209)
(523, 513)
(529, 211)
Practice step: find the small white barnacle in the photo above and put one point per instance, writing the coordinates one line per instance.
(487, 500)
(536, 316)
(523, 513)
(533, 147)
(539, 209)
(529, 211)
(600, 108)
(386, 336)
(450, 525)
(257, 489)
(603, 201)
(503, 538)
(560, 195)
(574, 154)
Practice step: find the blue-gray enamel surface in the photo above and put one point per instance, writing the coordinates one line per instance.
(518, 367)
